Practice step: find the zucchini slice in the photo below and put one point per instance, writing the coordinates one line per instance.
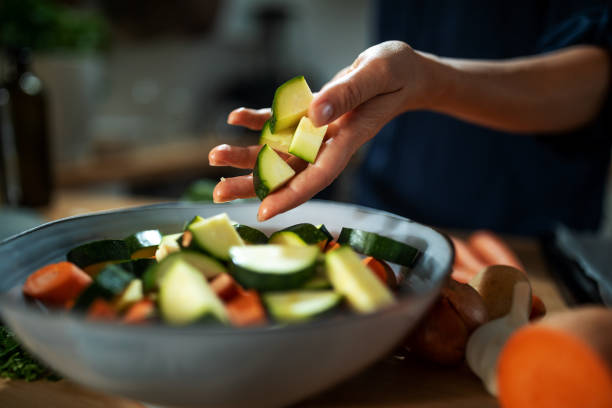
(215, 236)
(168, 245)
(137, 266)
(300, 305)
(110, 282)
(372, 244)
(270, 172)
(130, 295)
(300, 235)
(317, 283)
(278, 141)
(326, 232)
(273, 267)
(307, 140)
(251, 235)
(143, 244)
(98, 252)
(291, 101)
(207, 266)
(350, 277)
(186, 297)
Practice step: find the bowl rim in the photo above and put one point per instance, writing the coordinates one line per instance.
(9, 303)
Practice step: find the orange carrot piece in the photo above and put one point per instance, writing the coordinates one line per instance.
(225, 287)
(548, 368)
(382, 270)
(493, 250)
(246, 309)
(56, 284)
(538, 308)
(140, 312)
(331, 245)
(101, 310)
(466, 257)
(462, 274)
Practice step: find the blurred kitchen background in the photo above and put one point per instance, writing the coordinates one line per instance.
(135, 93)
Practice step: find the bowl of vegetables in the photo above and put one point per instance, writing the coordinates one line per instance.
(199, 305)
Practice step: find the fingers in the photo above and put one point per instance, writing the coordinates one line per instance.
(349, 89)
(234, 188)
(235, 156)
(253, 119)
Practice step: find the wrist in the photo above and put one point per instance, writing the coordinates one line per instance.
(439, 78)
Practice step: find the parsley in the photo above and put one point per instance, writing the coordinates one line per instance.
(16, 363)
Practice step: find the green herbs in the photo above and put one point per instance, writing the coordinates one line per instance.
(16, 363)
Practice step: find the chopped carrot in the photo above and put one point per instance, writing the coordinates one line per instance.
(100, 309)
(225, 287)
(382, 270)
(493, 250)
(246, 309)
(140, 312)
(538, 308)
(56, 284)
(548, 368)
(331, 245)
(466, 257)
(462, 274)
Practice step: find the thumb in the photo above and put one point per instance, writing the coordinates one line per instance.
(343, 94)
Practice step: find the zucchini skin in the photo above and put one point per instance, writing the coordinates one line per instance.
(276, 98)
(271, 281)
(261, 190)
(250, 234)
(143, 239)
(308, 233)
(378, 246)
(110, 282)
(98, 251)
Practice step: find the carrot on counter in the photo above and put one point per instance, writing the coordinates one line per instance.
(100, 309)
(140, 312)
(246, 309)
(466, 257)
(225, 287)
(493, 250)
(565, 360)
(382, 270)
(56, 284)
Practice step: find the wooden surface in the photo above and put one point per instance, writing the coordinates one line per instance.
(396, 381)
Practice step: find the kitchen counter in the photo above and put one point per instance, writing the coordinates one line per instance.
(396, 381)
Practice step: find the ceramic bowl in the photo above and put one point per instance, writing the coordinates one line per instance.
(203, 366)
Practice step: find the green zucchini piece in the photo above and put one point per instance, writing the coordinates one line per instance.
(195, 219)
(273, 267)
(350, 277)
(186, 297)
(378, 246)
(98, 251)
(278, 141)
(130, 295)
(317, 283)
(300, 235)
(291, 102)
(215, 236)
(270, 172)
(143, 244)
(300, 305)
(207, 266)
(307, 140)
(137, 266)
(110, 282)
(328, 234)
(168, 245)
(251, 235)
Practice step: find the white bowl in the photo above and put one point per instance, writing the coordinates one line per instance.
(205, 366)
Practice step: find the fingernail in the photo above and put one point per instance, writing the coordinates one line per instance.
(325, 112)
(262, 215)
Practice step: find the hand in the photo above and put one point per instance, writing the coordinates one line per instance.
(384, 81)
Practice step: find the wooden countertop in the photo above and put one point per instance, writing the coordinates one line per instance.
(396, 381)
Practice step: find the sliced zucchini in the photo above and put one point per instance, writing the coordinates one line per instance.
(137, 266)
(350, 277)
(215, 236)
(251, 235)
(278, 141)
(169, 244)
(270, 172)
(307, 140)
(195, 219)
(130, 295)
(273, 267)
(206, 265)
(186, 297)
(300, 235)
(110, 282)
(143, 244)
(378, 246)
(98, 252)
(291, 101)
(317, 283)
(300, 305)
(326, 232)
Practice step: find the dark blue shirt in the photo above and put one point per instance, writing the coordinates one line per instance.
(443, 171)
